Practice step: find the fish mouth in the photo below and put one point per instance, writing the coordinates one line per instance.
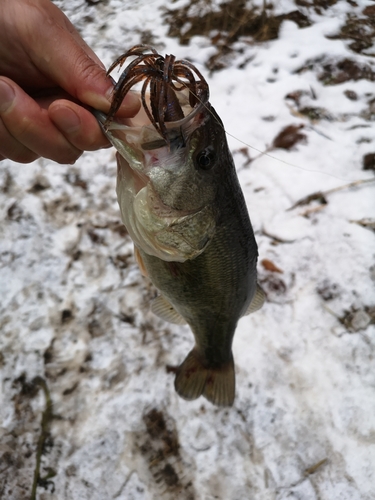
(174, 100)
(143, 147)
(131, 135)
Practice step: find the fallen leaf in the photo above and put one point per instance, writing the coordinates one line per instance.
(289, 137)
(270, 266)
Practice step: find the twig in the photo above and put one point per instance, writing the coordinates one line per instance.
(315, 467)
(275, 238)
(307, 472)
(367, 223)
(321, 195)
(46, 419)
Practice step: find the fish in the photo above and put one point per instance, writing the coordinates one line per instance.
(182, 205)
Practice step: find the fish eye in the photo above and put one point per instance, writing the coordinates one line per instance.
(205, 159)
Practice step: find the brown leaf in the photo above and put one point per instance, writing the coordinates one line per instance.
(369, 161)
(288, 137)
(270, 266)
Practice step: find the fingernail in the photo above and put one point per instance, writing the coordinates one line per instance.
(67, 120)
(7, 96)
(129, 106)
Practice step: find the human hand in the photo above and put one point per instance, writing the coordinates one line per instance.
(48, 79)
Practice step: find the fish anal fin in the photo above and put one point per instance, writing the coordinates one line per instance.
(257, 301)
(162, 308)
(216, 384)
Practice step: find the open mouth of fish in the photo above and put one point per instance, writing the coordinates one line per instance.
(153, 144)
(143, 145)
(173, 102)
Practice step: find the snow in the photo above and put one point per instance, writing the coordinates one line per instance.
(74, 308)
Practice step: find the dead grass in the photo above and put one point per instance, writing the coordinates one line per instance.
(226, 24)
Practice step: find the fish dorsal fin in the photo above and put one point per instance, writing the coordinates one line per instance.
(162, 308)
(257, 302)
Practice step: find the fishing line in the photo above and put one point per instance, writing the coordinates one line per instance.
(265, 153)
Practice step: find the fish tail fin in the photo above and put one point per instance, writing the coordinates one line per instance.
(194, 379)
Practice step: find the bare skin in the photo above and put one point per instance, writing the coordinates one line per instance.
(49, 77)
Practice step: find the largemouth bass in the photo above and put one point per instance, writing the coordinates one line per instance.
(182, 205)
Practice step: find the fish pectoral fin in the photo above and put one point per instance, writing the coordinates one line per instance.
(194, 379)
(139, 260)
(257, 302)
(162, 308)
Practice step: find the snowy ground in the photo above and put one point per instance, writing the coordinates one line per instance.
(74, 309)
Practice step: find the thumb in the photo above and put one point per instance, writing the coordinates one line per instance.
(66, 59)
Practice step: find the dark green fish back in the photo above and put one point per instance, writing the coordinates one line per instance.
(212, 291)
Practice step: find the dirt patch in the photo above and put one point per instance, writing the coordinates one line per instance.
(160, 447)
(345, 70)
(360, 30)
(318, 5)
(334, 72)
(226, 24)
(357, 319)
(23, 449)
